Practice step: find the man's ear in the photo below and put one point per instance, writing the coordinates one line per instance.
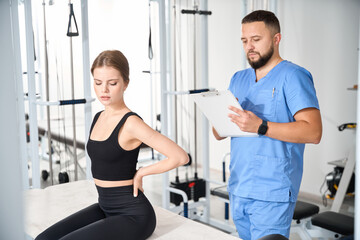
(277, 38)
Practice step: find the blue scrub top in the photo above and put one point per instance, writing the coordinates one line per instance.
(261, 167)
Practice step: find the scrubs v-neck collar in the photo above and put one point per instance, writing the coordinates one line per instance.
(268, 75)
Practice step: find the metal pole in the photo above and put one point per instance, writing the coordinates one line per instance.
(273, 6)
(163, 79)
(20, 95)
(204, 84)
(251, 5)
(32, 96)
(196, 7)
(46, 69)
(38, 63)
(150, 56)
(357, 155)
(11, 202)
(86, 77)
(266, 5)
(73, 107)
(244, 12)
(173, 76)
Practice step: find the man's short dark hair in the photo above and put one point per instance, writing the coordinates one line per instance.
(269, 18)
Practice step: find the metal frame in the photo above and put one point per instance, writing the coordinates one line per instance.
(20, 96)
(344, 181)
(32, 94)
(86, 76)
(166, 86)
(357, 155)
(13, 149)
(167, 99)
(166, 92)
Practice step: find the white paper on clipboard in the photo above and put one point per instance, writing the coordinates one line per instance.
(215, 106)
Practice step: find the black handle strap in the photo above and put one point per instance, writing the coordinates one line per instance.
(344, 126)
(200, 12)
(72, 101)
(72, 34)
(199, 90)
(150, 49)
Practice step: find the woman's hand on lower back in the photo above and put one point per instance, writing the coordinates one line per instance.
(138, 182)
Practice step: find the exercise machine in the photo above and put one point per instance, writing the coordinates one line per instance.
(33, 102)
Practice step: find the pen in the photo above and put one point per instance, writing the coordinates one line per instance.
(273, 92)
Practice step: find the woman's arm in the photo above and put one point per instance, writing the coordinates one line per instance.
(175, 155)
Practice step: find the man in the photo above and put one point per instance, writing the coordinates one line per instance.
(280, 104)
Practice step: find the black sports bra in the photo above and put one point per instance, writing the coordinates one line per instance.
(108, 160)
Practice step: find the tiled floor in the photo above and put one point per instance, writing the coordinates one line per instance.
(153, 190)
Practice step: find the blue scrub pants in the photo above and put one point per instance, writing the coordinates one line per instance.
(254, 218)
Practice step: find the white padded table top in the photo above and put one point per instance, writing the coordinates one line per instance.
(44, 207)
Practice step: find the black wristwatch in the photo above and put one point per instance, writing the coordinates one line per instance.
(263, 128)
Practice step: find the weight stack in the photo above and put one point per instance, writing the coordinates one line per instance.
(194, 189)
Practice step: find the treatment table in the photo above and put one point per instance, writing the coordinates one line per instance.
(44, 207)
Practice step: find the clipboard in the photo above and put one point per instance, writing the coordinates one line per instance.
(214, 105)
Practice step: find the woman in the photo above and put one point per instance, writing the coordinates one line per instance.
(123, 211)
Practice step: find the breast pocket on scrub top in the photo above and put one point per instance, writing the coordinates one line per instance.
(265, 102)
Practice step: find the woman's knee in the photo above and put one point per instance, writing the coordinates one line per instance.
(42, 236)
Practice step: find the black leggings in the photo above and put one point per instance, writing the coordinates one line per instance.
(118, 215)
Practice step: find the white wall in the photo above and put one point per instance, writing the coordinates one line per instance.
(321, 36)
(123, 25)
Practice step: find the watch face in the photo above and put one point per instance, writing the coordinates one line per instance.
(262, 129)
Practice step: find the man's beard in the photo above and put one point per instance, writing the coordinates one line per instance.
(262, 60)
